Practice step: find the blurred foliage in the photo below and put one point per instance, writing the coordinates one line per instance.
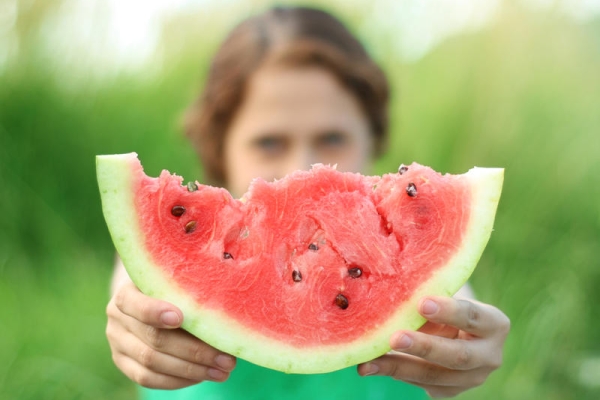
(523, 93)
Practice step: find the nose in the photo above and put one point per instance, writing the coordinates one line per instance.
(301, 158)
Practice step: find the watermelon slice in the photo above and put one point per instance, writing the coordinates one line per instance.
(308, 274)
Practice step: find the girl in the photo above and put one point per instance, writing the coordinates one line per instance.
(287, 89)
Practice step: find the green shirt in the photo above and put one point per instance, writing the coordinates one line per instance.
(251, 382)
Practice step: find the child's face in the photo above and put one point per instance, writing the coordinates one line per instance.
(292, 118)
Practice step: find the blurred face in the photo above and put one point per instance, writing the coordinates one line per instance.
(290, 119)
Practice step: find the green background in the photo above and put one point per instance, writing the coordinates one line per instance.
(522, 93)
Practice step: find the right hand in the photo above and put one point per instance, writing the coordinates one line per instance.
(150, 348)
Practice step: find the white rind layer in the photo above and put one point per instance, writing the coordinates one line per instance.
(116, 177)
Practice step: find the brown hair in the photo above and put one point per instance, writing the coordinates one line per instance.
(294, 36)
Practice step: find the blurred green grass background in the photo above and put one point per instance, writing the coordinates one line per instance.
(523, 93)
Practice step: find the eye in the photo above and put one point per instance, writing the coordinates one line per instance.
(333, 139)
(269, 145)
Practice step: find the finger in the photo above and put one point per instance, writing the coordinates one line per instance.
(414, 370)
(183, 345)
(157, 313)
(442, 330)
(124, 342)
(156, 361)
(438, 392)
(174, 342)
(470, 316)
(147, 378)
(453, 354)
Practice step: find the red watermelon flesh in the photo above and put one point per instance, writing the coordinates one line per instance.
(310, 273)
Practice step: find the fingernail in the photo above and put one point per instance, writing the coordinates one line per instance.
(429, 307)
(217, 374)
(170, 318)
(402, 343)
(371, 369)
(225, 361)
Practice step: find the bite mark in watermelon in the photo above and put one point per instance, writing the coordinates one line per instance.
(308, 274)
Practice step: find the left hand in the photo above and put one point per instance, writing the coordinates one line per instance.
(457, 348)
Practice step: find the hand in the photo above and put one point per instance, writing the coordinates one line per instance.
(149, 348)
(456, 349)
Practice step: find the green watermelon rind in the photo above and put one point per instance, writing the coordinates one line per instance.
(118, 174)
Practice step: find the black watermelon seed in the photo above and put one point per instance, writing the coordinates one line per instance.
(178, 211)
(403, 168)
(411, 190)
(192, 187)
(296, 276)
(313, 246)
(341, 301)
(355, 272)
(190, 227)
(227, 256)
